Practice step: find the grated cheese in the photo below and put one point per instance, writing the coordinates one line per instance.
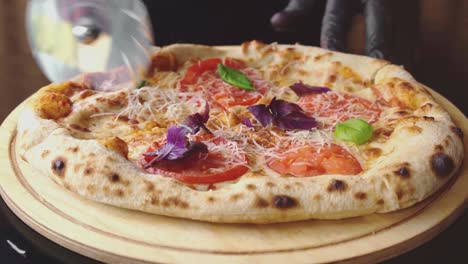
(157, 104)
(350, 108)
(165, 106)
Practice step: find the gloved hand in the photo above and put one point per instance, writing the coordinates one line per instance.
(336, 22)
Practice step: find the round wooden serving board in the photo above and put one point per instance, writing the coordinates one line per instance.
(112, 234)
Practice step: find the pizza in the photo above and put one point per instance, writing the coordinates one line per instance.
(255, 133)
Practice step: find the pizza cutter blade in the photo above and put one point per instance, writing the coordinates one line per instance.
(71, 37)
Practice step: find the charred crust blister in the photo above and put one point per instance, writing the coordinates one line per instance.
(59, 166)
(402, 113)
(284, 202)
(403, 172)
(332, 78)
(174, 201)
(91, 188)
(414, 129)
(337, 185)
(360, 195)
(73, 149)
(44, 153)
(386, 132)
(261, 203)
(88, 171)
(426, 106)
(114, 177)
(149, 186)
(399, 193)
(183, 205)
(407, 86)
(442, 164)
(79, 128)
(119, 193)
(236, 196)
(154, 199)
(457, 131)
(373, 152)
(251, 187)
(76, 168)
(439, 148)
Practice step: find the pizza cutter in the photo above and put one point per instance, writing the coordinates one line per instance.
(71, 37)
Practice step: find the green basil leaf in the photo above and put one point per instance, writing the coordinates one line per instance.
(354, 130)
(234, 77)
(141, 84)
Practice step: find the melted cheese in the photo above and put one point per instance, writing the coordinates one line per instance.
(267, 142)
(155, 108)
(349, 107)
(161, 105)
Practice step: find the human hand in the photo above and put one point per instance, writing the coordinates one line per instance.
(336, 22)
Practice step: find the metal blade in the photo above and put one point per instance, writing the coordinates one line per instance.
(70, 37)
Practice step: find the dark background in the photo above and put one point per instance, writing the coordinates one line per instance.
(428, 37)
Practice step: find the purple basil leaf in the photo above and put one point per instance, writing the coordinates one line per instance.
(247, 122)
(174, 148)
(281, 108)
(195, 147)
(198, 120)
(282, 114)
(176, 144)
(261, 113)
(295, 120)
(302, 89)
(194, 123)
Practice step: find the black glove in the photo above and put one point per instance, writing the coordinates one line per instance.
(336, 22)
(291, 17)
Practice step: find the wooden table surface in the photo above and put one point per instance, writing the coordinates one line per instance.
(441, 61)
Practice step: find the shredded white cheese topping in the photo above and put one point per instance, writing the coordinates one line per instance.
(160, 105)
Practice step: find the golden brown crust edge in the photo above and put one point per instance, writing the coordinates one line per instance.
(401, 178)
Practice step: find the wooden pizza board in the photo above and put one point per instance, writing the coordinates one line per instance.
(111, 234)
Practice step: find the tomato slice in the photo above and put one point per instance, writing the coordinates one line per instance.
(200, 168)
(309, 161)
(228, 95)
(203, 74)
(339, 107)
(197, 69)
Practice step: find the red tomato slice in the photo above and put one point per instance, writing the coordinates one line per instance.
(308, 161)
(339, 107)
(228, 95)
(197, 69)
(203, 73)
(200, 168)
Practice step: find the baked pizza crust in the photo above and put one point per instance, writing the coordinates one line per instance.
(422, 153)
